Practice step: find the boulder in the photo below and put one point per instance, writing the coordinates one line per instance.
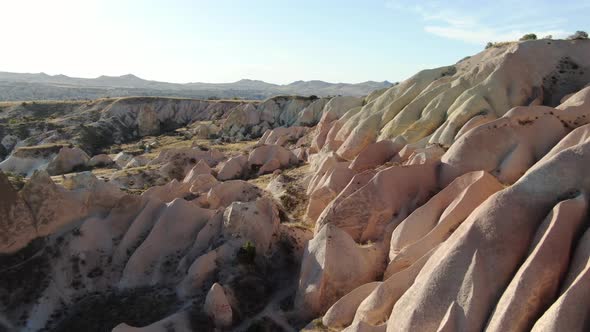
(200, 168)
(122, 158)
(325, 277)
(169, 191)
(282, 136)
(204, 267)
(224, 193)
(217, 307)
(100, 160)
(202, 183)
(9, 142)
(205, 131)
(255, 221)
(67, 160)
(233, 168)
(26, 160)
(176, 163)
(137, 161)
(188, 155)
(267, 158)
(302, 154)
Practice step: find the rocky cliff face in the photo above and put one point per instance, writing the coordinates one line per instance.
(95, 125)
(461, 251)
(454, 201)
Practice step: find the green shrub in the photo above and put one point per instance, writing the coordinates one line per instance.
(247, 253)
(92, 139)
(578, 35)
(528, 36)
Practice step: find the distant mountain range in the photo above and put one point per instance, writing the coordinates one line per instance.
(21, 86)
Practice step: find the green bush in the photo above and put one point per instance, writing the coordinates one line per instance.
(578, 35)
(247, 253)
(92, 139)
(528, 36)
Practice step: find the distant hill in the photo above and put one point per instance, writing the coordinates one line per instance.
(24, 86)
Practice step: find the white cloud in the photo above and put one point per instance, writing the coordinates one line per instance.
(471, 25)
(483, 34)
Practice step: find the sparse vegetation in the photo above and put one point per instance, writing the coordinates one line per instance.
(578, 35)
(92, 139)
(247, 253)
(528, 36)
(16, 180)
(498, 44)
(139, 307)
(318, 326)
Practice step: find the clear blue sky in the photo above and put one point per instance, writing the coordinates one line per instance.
(275, 41)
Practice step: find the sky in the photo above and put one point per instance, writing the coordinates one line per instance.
(271, 40)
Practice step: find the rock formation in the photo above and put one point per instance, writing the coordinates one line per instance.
(456, 200)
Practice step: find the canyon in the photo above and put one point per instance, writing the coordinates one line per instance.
(456, 200)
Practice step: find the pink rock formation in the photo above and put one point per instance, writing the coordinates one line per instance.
(178, 162)
(570, 309)
(224, 193)
(271, 157)
(342, 312)
(217, 306)
(177, 225)
(390, 195)
(66, 160)
(433, 222)
(282, 135)
(325, 278)
(100, 160)
(233, 168)
(454, 201)
(475, 246)
(536, 282)
(375, 154)
(256, 221)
